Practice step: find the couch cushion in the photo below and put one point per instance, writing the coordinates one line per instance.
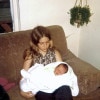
(6, 60)
(59, 39)
(95, 95)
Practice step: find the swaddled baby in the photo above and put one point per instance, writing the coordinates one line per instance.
(48, 78)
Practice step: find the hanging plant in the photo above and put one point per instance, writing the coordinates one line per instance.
(80, 15)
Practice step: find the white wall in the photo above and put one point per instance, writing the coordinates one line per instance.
(49, 12)
(89, 48)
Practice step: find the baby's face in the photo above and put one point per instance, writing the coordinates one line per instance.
(60, 70)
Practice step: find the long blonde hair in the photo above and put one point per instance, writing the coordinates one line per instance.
(37, 33)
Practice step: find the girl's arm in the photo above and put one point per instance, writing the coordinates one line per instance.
(27, 64)
(28, 57)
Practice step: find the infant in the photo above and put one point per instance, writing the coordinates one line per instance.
(48, 78)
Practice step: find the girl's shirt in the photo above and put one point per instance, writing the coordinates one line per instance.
(48, 58)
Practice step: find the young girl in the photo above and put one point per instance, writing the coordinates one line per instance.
(41, 51)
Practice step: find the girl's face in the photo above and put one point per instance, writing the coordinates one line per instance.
(43, 44)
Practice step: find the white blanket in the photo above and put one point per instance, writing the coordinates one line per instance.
(40, 78)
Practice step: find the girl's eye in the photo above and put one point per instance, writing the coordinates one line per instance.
(42, 43)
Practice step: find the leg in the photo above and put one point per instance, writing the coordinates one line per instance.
(3, 94)
(43, 96)
(62, 93)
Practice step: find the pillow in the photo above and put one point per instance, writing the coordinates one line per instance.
(88, 75)
(6, 85)
(9, 86)
(3, 81)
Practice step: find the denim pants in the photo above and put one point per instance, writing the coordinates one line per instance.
(62, 93)
(3, 94)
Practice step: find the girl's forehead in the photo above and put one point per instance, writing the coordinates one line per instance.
(44, 39)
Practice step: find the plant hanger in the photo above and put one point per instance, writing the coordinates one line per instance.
(79, 14)
(81, 3)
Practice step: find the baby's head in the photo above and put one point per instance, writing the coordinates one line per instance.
(61, 69)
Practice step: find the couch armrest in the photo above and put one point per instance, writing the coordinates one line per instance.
(88, 75)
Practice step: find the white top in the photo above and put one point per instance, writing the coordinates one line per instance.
(40, 78)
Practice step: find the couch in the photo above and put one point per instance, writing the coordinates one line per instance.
(12, 46)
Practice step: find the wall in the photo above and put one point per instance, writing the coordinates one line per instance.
(49, 12)
(89, 47)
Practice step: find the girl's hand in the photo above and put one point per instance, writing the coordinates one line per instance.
(27, 94)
